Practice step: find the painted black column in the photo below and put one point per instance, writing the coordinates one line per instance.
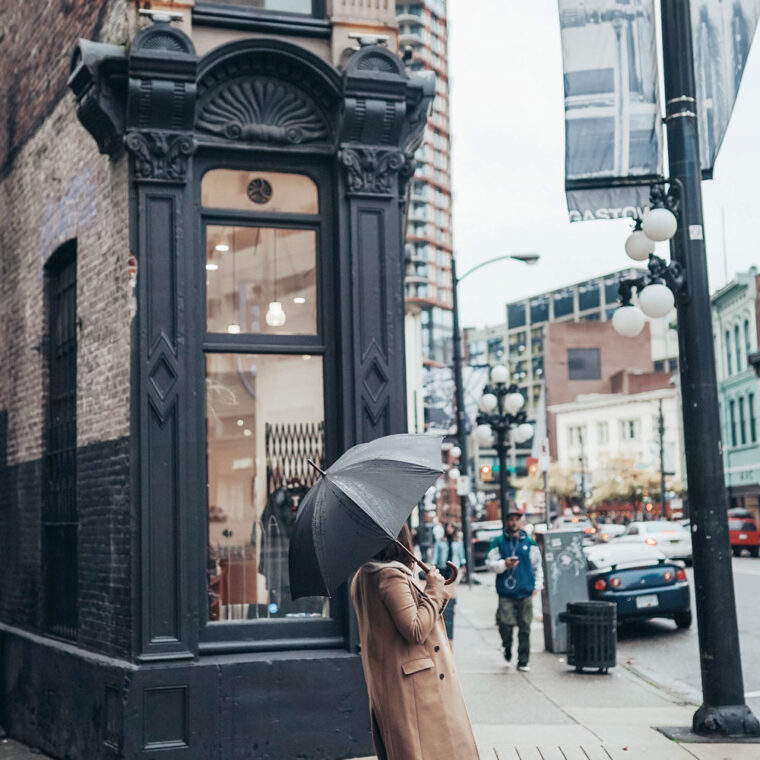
(159, 123)
(723, 709)
(383, 122)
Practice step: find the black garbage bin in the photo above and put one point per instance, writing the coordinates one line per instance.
(591, 635)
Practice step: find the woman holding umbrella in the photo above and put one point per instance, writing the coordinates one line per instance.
(416, 705)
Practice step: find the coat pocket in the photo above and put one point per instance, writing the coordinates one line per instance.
(414, 666)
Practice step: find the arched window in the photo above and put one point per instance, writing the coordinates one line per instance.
(738, 347)
(729, 371)
(60, 518)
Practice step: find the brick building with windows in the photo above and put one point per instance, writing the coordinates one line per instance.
(201, 218)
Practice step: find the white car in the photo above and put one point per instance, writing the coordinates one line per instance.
(671, 538)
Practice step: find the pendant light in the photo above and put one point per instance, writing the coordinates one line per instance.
(275, 316)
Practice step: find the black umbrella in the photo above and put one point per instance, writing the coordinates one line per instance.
(357, 508)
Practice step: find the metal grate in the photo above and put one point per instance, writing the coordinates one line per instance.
(288, 447)
(60, 509)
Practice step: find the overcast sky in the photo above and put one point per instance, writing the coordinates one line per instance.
(507, 117)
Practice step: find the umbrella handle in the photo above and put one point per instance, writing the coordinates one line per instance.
(426, 568)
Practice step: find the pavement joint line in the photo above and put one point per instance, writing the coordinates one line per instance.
(679, 697)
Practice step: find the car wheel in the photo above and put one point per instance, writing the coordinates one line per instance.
(683, 619)
(736, 550)
(754, 551)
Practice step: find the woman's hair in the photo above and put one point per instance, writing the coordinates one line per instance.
(393, 552)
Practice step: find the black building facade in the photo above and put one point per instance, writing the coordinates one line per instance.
(267, 196)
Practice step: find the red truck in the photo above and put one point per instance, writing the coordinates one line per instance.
(744, 534)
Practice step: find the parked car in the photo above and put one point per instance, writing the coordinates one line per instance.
(483, 533)
(640, 580)
(744, 534)
(671, 538)
(607, 531)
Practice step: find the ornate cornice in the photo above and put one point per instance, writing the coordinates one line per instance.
(160, 156)
(373, 170)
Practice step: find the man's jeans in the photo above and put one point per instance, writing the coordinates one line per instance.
(511, 613)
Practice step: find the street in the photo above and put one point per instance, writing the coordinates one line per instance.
(669, 657)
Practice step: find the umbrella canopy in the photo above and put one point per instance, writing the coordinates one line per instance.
(357, 508)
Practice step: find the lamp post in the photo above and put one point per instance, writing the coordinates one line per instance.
(678, 216)
(464, 494)
(661, 431)
(502, 413)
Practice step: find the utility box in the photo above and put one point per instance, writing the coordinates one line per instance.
(564, 581)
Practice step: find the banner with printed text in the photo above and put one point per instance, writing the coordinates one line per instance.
(613, 135)
(722, 33)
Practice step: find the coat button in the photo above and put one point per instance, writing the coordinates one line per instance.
(441, 676)
(436, 648)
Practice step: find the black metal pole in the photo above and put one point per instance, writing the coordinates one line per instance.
(501, 449)
(583, 470)
(723, 710)
(661, 431)
(464, 465)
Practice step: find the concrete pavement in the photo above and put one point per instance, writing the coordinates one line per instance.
(553, 713)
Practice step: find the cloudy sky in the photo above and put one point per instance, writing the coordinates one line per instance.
(508, 164)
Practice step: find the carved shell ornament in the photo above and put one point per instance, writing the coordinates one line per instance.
(262, 110)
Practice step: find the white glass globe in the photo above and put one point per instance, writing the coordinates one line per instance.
(656, 300)
(659, 224)
(455, 452)
(484, 434)
(524, 432)
(453, 474)
(628, 321)
(499, 374)
(275, 316)
(639, 246)
(514, 402)
(487, 403)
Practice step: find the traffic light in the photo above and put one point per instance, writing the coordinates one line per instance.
(532, 466)
(486, 473)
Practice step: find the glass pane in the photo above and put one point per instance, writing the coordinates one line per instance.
(283, 6)
(261, 280)
(264, 419)
(259, 191)
(516, 314)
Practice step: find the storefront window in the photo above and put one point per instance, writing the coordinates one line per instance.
(280, 6)
(264, 419)
(261, 280)
(259, 191)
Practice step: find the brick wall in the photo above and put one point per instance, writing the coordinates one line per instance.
(35, 54)
(57, 188)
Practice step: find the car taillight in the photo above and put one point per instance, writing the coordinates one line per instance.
(667, 576)
(600, 585)
(615, 582)
(651, 541)
(680, 574)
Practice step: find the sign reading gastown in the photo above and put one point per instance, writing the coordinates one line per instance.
(613, 143)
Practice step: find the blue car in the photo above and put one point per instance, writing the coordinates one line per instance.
(641, 581)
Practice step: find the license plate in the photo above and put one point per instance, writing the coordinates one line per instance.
(649, 600)
(742, 536)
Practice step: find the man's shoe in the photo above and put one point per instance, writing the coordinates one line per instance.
(524, 667)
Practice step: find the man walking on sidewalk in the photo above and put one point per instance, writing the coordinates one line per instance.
(517, 561)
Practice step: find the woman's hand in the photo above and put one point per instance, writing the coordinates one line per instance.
(434, 579)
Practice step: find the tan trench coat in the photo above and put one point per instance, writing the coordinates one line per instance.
(417, 709)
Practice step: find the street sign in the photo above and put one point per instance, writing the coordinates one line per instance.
(463, 485)
(543, 456)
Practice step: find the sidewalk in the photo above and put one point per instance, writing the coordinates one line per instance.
(553, 713)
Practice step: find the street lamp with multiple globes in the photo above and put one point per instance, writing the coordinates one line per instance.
(502, 420)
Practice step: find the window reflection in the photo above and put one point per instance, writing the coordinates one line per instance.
(265, 418)
(261, 280)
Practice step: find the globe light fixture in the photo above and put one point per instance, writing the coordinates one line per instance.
(499, 374)
(628, 321)
(484, 434)
(659, 224)
(455, 452)
(487, 403)
(275, 316)
(454, 474)
(522, 433)
(514, 402)
(656, 300)
(639, 246)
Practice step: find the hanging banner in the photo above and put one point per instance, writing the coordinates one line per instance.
(722, 34)
(613, 145)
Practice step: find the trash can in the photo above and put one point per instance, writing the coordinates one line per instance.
(591, 635)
